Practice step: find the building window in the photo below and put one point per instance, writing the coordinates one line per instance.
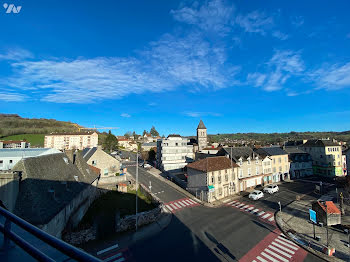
(10, 161)
(1, 163)
(274, 161)
(233, 175)
(219, 179)
(240, 162)
(274, 169)
(240, 173)
(280, 169)
(249, 171)
(212, 179)
(105, 171)
(257, 170)
(279, 160)
(248, 161)
(226, 177)
(94, 162)
(220, 191)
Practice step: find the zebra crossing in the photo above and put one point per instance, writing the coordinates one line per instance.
(276, 248)
(264, 215)
(179, 204)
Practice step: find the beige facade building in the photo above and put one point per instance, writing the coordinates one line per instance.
(326, 156)
(250, 166)
(279, 163)
(67, 141)
(96, 157)
(212, 178)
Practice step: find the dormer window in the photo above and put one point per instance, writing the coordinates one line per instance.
(240, 161)
(248, 160)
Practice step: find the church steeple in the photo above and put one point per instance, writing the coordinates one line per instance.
(201, 125)
(202, 139)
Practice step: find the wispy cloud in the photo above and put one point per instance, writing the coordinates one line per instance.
(297, 21)
(212, 16)
(16, 54)
(279, 69)
(201, 114)
(332, 77)
(255, 22)
(12, 97)
(280, 35)
(126, 115)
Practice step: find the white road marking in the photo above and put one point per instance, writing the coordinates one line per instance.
(192, 201)
(261, 213)
(255, 210)
(107, 249)
(250, 208)
(240, 205)
(265, 216)
(168, 206)
(269, 257)
(288, 241)
(284, 243)
(284, 248)
(119, 260)
(113, 257)
(188, 202)
(175, 207)
(176, 204)
(261, 259)
(244, 207)
(279, 251)
(271, 218)
(226, 200)
(182, 204)
(230, 203)
(185, 202)
(276, 255)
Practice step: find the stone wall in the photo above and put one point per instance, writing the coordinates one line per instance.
(9, 189)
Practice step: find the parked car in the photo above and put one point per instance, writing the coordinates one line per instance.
(271, 189)
(256, 194)
(147, 166)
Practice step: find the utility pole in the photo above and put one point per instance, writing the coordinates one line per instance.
(327, 222)
(137, 183)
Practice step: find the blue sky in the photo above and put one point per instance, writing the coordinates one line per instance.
(241, 66)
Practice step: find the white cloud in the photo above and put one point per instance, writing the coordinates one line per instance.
(11, 97)
(332, 77)
(126, 115)
(16, 54)
(282, 66)
(201, 114)
(213, 16)
(255, 22)
(280, 35)
(297, 21)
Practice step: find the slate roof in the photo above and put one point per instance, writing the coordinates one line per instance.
(88, 152)
(49, 183)
(271, 151)
(174, 135)
(320, 143)
(293, 150)
(238, 152)
(212, 164)
(150, 144)
(201, 125)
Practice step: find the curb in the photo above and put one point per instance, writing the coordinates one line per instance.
(308, 249)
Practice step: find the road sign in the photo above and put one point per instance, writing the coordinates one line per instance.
(211, 188)
(312, 215)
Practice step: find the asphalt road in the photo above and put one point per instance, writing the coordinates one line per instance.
(213, 234)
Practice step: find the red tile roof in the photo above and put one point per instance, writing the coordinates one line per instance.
(212, 164)
(95, 169)
(331, 208)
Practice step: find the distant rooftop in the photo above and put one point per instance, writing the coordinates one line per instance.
(71, 133)
(201, 125)
(27, 152)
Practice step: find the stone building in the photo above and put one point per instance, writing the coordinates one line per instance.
(68, 141)
(54, 191)
(212, 178)
(202, 139)
(108, 165)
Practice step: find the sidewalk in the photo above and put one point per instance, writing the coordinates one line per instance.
(294, 222)
(125, 239)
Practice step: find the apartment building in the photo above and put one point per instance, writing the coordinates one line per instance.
(326, 157)
(14, 144)
(250, 166)
(66, 141)
(212, 178)
(173, 153)
(279, 163)
(300, 163)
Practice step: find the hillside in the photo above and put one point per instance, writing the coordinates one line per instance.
(12, 124)
(35, 140)
(271, 138)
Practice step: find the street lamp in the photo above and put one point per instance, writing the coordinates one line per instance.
(137, 183)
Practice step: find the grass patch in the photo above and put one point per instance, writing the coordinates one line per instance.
(108, 204)
(33, 139)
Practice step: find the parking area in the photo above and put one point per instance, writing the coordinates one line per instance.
(287, 193)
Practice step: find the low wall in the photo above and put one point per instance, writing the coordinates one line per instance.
(112, 179)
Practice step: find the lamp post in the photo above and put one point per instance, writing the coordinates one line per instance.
(137, 183)
(347, 232)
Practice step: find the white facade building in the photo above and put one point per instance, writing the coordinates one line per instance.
(68, 141)
(14, 144)
(173, 153)
(9, 157)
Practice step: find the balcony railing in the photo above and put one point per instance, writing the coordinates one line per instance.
(9, 235)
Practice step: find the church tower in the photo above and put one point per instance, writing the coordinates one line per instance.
(202, 136)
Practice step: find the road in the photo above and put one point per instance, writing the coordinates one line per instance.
(233, 232)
